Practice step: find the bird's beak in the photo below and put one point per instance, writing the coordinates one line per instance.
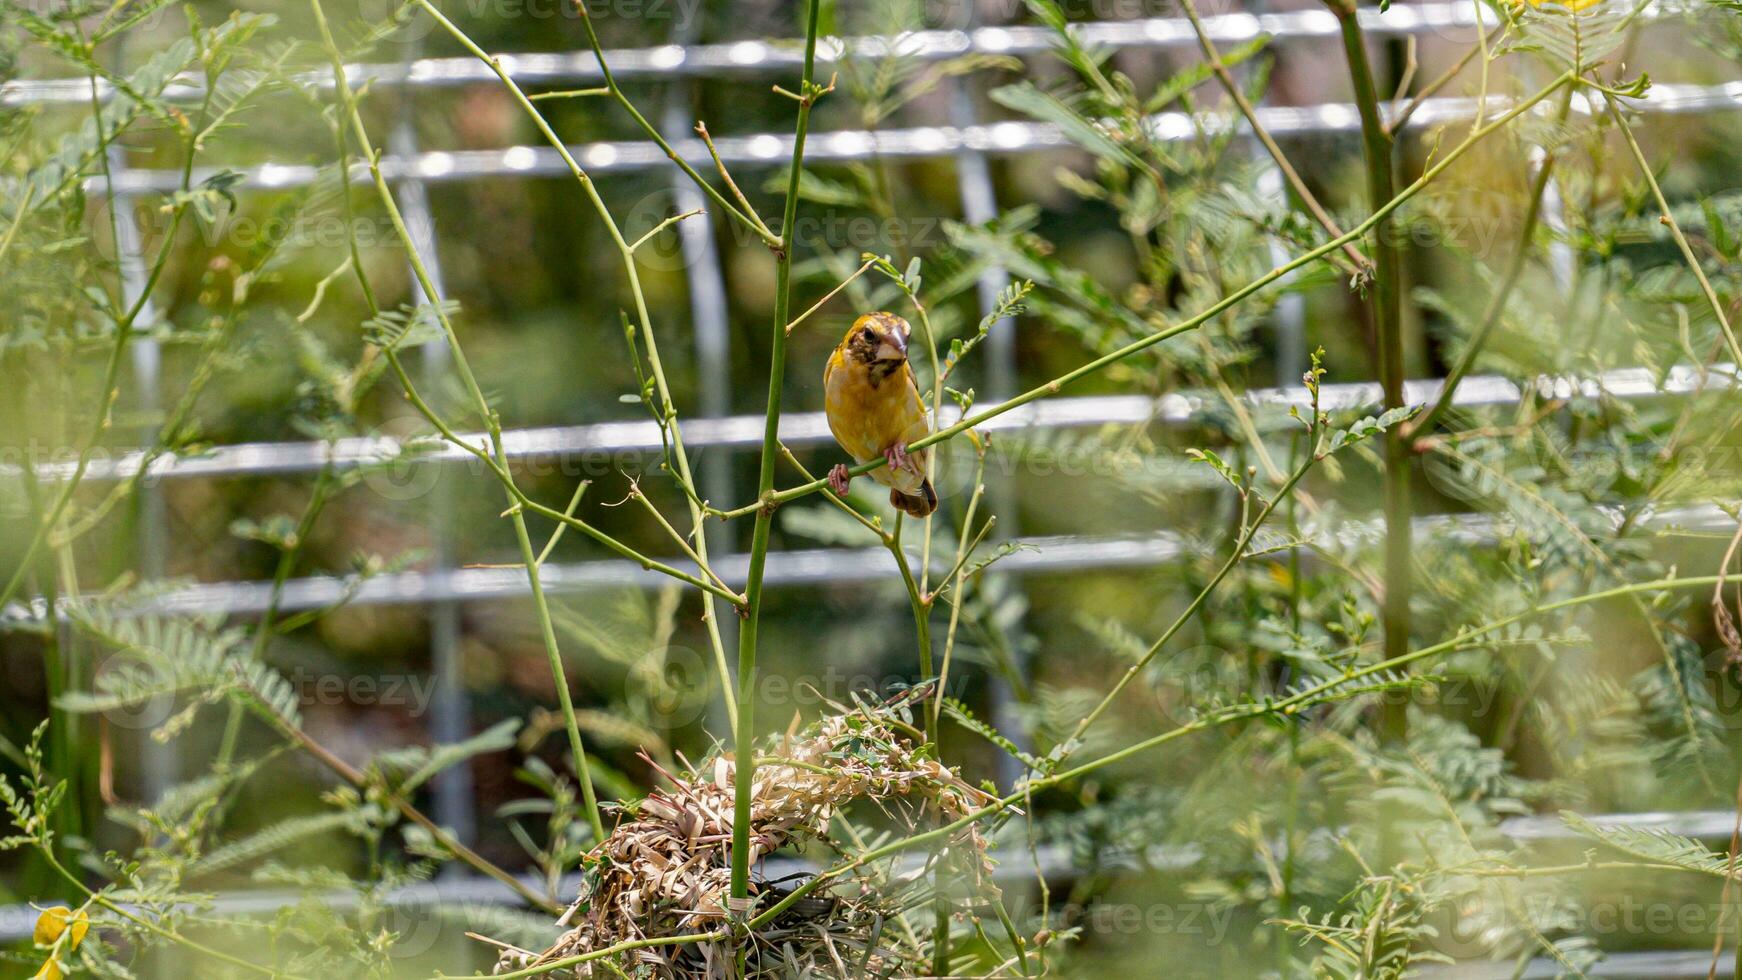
(893, 348)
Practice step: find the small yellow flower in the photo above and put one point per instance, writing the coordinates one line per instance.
(1575, 6)
(49, 971)
(54, 921)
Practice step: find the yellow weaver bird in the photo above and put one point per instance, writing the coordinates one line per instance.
(874, 410)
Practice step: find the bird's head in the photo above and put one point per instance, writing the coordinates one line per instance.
(877, 341)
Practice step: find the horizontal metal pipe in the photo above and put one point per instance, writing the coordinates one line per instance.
(793, 568)
(800, 429)
(756, 57)
(769, 149)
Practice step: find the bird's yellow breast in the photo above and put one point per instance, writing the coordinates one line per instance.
(869, 416)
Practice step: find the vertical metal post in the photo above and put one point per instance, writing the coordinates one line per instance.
(708, 306)
(157, 761)
(450, 710)
(980, 205)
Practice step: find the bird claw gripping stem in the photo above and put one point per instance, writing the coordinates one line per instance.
(840, 479)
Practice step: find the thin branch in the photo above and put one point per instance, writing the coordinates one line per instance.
(663, 225)
(744, 734)
(1497, 302)
(517, 500)
(1230, 85)
(1232, 299)
(819, 304)
(753, 223)
(732, 185)
(1401, 116)
(1667, 217)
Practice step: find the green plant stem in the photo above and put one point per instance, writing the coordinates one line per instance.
(597, 954)
(749, 218)
(161, 931)
(921, 611)
(1305, 195)
(515, 498)
(1423, 424)
(667, 408)
(1401, 116)
(1232, 299)
(955, 579)
(1378, 154)
(1017, 945)
(1284, 492)
(1287, 707)
(357, 778)
(744, 738)
(1668, 218)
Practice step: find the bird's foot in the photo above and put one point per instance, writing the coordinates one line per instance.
(898, 458)
(839, 478)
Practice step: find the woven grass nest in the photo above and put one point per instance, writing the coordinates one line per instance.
(665, 869)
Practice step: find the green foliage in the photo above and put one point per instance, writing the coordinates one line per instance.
(1244, 762)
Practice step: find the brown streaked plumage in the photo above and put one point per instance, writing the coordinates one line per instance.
(874, 410)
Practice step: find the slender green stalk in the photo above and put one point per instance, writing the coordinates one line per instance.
(1213, 57)
(1423, 424)
(516, 501)
(744, 738)
(921, 612)
(628, 946)
(747, 217)
(1401, 117)
(160, 931)
(1285, 492)
(955, 580)
(1286, 707)
(1378, 154)
(714, 588)
(360, 780)
(1215, 309)
(1667, 216)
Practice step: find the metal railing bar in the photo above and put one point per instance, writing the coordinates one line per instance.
(1001, 138)
(1633, 965)
(756, 57)
(801, 429)
(1038, 555)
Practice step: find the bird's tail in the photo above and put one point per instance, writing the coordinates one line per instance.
(920, 503)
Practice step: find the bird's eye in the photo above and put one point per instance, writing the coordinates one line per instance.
(867, 336)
